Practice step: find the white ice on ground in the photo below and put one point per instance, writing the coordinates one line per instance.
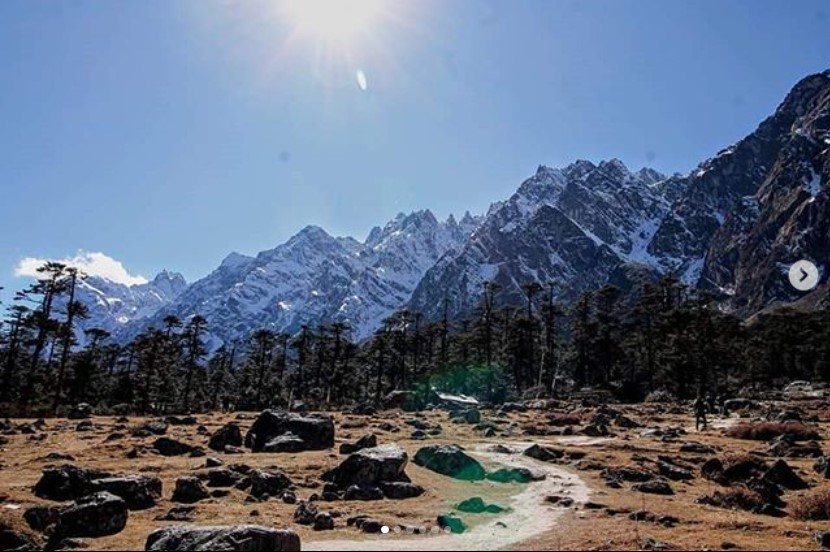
(529, 515)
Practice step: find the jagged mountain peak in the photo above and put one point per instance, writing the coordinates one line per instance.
(169, 276)
(234, 260)
(804, 94)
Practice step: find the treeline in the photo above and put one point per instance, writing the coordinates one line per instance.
(663, 337)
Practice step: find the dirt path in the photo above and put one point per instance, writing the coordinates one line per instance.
(529, 515)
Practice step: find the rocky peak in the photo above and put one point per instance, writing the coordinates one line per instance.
(235, 260)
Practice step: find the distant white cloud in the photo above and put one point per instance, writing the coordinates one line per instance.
(90, 262)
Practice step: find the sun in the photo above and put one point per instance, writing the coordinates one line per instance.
(340, 22)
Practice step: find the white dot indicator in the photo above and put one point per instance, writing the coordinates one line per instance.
(384, 529)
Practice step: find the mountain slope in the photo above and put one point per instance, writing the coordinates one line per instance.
(573, 225)
(317, 278)
(734, 225)
(113, 306)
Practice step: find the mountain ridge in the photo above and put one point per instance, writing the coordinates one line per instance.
(730, 225)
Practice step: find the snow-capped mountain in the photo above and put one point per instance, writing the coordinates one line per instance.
(734, 225)
(316, 278)
(778, 211)
(573, 226)
(114, 305)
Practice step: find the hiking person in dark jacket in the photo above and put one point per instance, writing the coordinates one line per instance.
(700, 413)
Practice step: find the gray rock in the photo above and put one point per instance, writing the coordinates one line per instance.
(189, 489)
(400, 490)
(229, 434)
(222, 539)
(138, 491)
(96, 515)
(449, 460)
(367, 441)
(545, 454)
(171, 447)
(305, 514)
(363, 493)
(696, 448)
(323, 522)
(67, 482)
(269, 483)
(315, 431)
(782, 474)
(223, 477)
(153, 427)
(369, 467)
(656, 486)
(41, 517)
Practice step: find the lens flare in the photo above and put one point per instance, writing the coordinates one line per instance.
(362, 82)
(336, 21)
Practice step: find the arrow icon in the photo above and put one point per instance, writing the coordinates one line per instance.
(804, 275)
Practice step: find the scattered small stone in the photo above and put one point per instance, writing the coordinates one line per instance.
(656, 486)
(305, 514)
(323, 522)
(178, 513)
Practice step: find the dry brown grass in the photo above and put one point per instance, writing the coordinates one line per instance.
(814, 506)
(739, 498)
(764, 431)
(701, 526)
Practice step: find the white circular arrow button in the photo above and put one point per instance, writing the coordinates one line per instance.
(804, 275)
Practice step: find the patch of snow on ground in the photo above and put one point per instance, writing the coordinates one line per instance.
(692, 274)
(814, 185)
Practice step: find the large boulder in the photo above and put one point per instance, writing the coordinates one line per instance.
(95, 515)
(450, 460)
(189, 489)
(315, 431)
(229, 434)
(782, 474)
(67, 482)
(222, 477)
(171, 447)
(138, 491)
(222, 539)
(370, 467)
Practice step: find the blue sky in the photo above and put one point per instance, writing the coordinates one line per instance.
(168, 134)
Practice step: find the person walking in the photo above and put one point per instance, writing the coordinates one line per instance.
(700, 413)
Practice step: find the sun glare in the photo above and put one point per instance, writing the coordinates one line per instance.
(337, 21)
